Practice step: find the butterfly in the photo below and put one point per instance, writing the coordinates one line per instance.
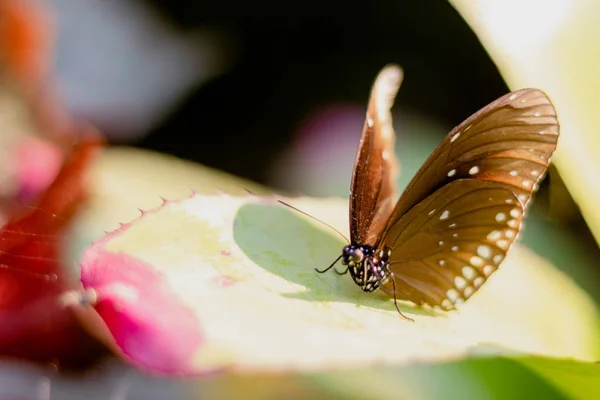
(462, 211)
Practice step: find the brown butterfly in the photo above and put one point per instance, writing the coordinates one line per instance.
(460, 214)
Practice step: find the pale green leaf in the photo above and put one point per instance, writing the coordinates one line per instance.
(125, 180)
(576, 379)
(246, 266)
(552, 45)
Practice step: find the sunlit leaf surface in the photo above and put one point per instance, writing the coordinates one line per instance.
(242, 268)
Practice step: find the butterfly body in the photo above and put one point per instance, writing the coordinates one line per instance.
(460, 214)
(367, 265)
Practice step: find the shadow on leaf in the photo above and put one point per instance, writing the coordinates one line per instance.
(290, 246)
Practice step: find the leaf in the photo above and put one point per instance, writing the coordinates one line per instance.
(34, 322)
(489, 378)
(548, 47)
(124, 180)
(575, 379)
(229, 282)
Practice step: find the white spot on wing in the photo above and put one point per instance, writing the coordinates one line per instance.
(503, 244)
(478, 282)
(513, 223)
(514, 173)
(452, 295)
(474, 170)
(442, 262)
(512, 96)
(460, 282)
(369, 121)
(500, 217)
(454, 248)
(454, 137)
(431, 212)
(476, 261)
(452, 172)
(509, 233)
(446, 304)
(498, 258)
(444, 215)
(484, 251)
(469, 272)
(515, 213)
(468, 292)
(487, 270)
(526, 183)
(494, 235)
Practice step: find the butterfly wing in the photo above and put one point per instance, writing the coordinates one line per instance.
(373, 188)
(468, 198)
(446, 246)
(510, 141)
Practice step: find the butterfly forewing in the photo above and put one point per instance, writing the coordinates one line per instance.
(445, 247)
(373, 188)
(510, 142)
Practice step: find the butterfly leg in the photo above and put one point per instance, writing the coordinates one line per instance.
(344, 272)
(331, 266)
(396, 299)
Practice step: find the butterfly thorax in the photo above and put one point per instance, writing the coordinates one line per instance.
(367, 265)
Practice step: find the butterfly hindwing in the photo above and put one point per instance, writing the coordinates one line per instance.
(445, 247)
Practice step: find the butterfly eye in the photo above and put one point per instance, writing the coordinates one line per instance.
(356, 256)
(352, 254)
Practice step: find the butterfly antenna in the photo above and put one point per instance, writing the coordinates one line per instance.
(396, 299)
(316, 219)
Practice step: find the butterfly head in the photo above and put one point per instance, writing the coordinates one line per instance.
(353, 255)
(367, 266)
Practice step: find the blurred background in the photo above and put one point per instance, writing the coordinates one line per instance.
(272, 92)
(238, 86)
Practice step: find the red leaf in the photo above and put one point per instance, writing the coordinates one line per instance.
(146, 321)
(34, 322)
